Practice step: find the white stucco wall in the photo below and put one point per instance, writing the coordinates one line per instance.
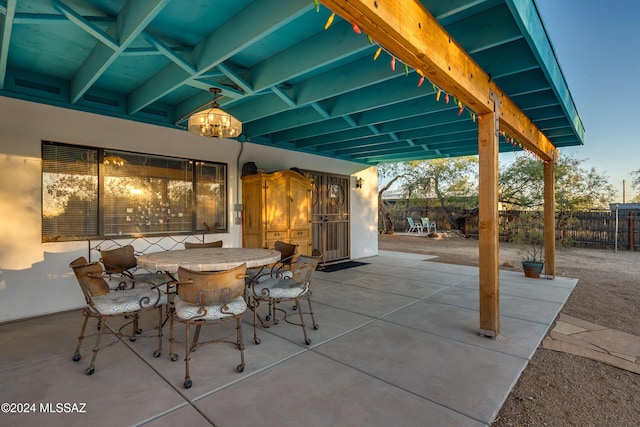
(35, 278)
(364, 214)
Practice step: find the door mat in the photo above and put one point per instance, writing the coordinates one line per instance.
(340, 266)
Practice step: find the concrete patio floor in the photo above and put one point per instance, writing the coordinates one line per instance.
(398, 344)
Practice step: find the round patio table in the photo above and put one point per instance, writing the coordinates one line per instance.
(207, 259)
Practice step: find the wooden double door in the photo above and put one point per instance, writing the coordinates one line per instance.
(330, 215)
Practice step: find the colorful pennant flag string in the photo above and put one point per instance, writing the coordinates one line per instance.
(517, 145)
(437, 90)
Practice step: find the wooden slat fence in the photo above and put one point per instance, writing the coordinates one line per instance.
(594, 229)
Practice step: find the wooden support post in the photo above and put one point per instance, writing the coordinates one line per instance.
(489, 257)
(550, 219)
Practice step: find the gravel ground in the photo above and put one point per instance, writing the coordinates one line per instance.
(558, 389)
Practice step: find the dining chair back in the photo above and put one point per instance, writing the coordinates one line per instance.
(216, 244)
(211, 287)
(206, 298)
(121, 266)
(120, 261)
(287, 251)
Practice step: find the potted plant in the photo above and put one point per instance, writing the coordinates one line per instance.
(529, 234)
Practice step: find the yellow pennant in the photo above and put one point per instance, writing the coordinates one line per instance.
(329, 21)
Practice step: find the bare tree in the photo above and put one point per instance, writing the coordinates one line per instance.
(383, 209)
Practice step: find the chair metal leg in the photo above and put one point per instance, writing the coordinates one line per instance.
(136, 330)
(173, 356)
(313, 320)
(273, 305)
(307, 341)
(158, 352)
(240, 343)
(255, 322)
(187, 379)
(166, 318)
(269, 311)
(76, 355)
(101, 326)
(196, 337)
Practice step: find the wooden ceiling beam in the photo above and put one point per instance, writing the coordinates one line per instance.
(408, 31)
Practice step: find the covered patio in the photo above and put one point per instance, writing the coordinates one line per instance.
(380, 81)
(333, 86)
(402, 354)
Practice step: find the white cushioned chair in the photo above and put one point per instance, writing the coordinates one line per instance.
(289, 287)
(207, 297)
(104, 303)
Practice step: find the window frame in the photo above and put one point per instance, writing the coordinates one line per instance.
(101, 196)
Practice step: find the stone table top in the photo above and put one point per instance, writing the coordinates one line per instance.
(207, 259)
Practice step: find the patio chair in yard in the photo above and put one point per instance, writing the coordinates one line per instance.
(206, 298)
(104, 303)
(429, 226)
(121, 262)
(294, 287)
(414, 226)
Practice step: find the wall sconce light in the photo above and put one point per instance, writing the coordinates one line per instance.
(359, 182)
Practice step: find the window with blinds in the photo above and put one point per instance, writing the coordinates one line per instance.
(89, 192)
(69, 192)
(211, 195)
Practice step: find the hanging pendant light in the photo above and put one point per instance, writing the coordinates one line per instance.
(215, 122)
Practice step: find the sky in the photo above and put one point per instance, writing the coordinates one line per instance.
(597, 43)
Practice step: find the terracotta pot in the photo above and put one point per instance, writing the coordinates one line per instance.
(532, 269)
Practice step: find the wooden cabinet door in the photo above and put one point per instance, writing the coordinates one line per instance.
(252, 200)
(300, 203)
(276, 202)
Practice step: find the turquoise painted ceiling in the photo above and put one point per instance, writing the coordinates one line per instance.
(293, 84)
